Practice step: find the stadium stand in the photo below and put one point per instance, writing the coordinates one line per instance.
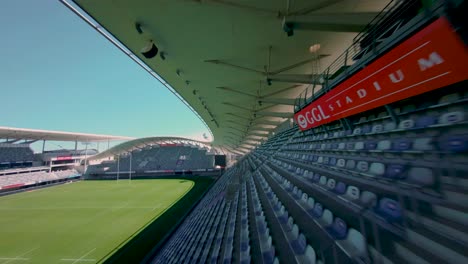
(15, 155)
(387, 185)
(158, 158)
(32, 178)
(384, 192)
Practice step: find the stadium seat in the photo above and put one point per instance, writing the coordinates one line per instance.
(338, 229)
(395, 171)
(352, 193)
(389, 209)
(355, 245)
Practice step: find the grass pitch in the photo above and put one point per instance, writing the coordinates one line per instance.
(81, 222)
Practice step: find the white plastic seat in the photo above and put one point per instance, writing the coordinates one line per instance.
(352, 193)
(355, 245)
(327, 218)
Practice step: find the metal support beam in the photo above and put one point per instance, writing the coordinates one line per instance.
(261, 130)
(30, 141)
(249, 144)
(238, 116)
(236, 91)
(276, 114)
(237, 106)
(244, 149)
(245, 146)
(295, 78)
(239, 130)
(11, 141)
(266, 122)
(281, 101)
(258, 135)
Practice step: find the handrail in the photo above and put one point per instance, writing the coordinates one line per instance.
(391, 18)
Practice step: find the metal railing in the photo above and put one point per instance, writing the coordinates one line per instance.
(396, 14)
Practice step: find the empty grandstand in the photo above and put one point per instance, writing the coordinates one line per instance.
(156, 155)
(21, 168)
(362, 161)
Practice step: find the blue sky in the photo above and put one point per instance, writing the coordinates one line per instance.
(57, 73)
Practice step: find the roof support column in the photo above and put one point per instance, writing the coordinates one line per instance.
(43, 146)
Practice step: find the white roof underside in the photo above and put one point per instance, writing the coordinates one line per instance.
(12, 133)
(219, 52)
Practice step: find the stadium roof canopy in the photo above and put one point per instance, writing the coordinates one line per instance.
(142, 143)
(216, 55)
(12, 133)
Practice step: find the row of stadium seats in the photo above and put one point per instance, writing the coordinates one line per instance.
(159, 158)
(386, 186)
(11, 153)
(35, 177)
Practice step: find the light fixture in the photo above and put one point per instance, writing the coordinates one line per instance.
(149, 50)
(314, 48)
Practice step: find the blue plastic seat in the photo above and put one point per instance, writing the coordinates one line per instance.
(339, 229)
(316, 177)
(370, 145)
(402, 144)
(318, 210)
(454, 142)
(389, 209)
(340, 188)
(425, 121)
(395, 171)
(299, 245)
(366, 129)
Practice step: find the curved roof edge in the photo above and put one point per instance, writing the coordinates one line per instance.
(140, 143)
(75, 8)
(38, 134)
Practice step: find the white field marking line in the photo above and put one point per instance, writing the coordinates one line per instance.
(74, 208)
(381, 69)
(19, 257)
(14, 258)
(82, 258)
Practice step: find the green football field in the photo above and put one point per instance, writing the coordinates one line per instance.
(81, 222)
